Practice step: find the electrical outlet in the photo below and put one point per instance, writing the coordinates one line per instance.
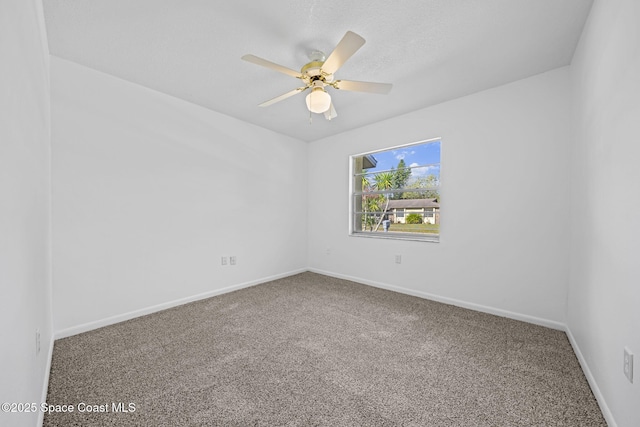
(232, 260)
(628, 364)
(223, 260)
(398, 259)
(37, 341)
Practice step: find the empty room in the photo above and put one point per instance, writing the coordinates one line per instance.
(319, 213)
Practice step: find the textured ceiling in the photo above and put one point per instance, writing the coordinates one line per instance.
(430, 50)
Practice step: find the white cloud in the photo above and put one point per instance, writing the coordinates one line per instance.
(400, 155)
(423, 171)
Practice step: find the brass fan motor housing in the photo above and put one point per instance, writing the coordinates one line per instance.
(312, 71)
(312, 64)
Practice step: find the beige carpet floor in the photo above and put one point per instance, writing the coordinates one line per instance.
(310, 350)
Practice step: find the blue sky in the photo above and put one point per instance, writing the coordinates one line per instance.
(413, 155)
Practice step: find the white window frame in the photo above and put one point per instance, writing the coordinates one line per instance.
(354, 232)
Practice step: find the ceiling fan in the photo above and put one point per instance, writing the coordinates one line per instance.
(317, 75)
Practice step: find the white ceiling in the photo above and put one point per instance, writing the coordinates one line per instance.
(431, 50)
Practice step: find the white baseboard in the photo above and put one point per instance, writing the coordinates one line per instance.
(451, 301)
(74, 330)
(45, 385)
(606, 412)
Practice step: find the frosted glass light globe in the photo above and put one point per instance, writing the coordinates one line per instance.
(318, 101)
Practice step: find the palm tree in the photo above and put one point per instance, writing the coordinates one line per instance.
(367, 204)
(365, 179)
(384, 181)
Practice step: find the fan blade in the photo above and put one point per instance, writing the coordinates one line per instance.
(263, 62)
(382, 88)
(283, 96)
(330, 113)
(349, 45)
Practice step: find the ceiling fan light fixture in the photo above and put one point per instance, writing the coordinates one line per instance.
(318, 74)
(318, 101)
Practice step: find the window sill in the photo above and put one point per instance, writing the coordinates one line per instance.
(415, 237)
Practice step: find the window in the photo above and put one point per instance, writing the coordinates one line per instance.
(395, 193)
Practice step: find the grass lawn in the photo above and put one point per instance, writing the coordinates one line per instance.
(414, 228)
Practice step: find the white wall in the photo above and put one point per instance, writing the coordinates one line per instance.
(25, 284)
(604, 291)
(150, 191)
(505, 150)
